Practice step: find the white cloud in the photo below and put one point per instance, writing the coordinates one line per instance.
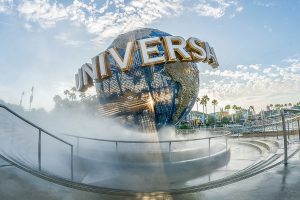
(217, 8)
(110, 18)
(265, 3)
(28, 27)
(105, 21)
(277, 84)
(267, 70)
(243, 67)
(66, 39)
(5, 6)
(255, 66)
(239, 9)
(43, 12)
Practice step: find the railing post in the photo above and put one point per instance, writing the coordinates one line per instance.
(77, 145)
(170, 143)
(264, 128)
(209, 147)
(226, 142)
(72, 167)
(288, 126)
(299, 127)
(276, 130)
(116, 146)
(284, 137)
(39, 150)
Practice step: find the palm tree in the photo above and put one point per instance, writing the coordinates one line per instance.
(202, 102)
(239, 112)
(221, 114)
(214, 103)
(66, 93)
(72, 96)
(205, 100)
(73, 89)
(227, 107)
(235, 108)
(197, 101)
(82, 95)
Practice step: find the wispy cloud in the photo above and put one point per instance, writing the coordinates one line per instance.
(67, 39)
(5, 6)
(217, 8)
(103, 21)
(43, 12)
(265, 3)
(255, 66)
(248, 86)
(106, 20)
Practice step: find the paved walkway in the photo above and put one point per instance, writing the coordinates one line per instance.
(282, 183)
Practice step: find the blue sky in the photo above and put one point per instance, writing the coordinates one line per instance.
(257, 44)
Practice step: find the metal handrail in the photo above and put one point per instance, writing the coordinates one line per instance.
(117, 142)
(34, 125)
(284, 131)
(274, 123)
(141, 141)
(40, 131)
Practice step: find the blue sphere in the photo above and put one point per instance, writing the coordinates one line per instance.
(148, 97)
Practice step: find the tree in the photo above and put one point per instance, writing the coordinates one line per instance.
(72, 94)
(225, 120)
(235, 108)
(214, 103)
(82, 96)
(197, 101)
(221, 113)
(205, 99)
(210, 120)
(66, 93)
(227, 107)
(277, 106)
(57, 99)
(202, 102)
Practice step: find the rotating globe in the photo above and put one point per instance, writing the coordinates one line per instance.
(151, 97)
